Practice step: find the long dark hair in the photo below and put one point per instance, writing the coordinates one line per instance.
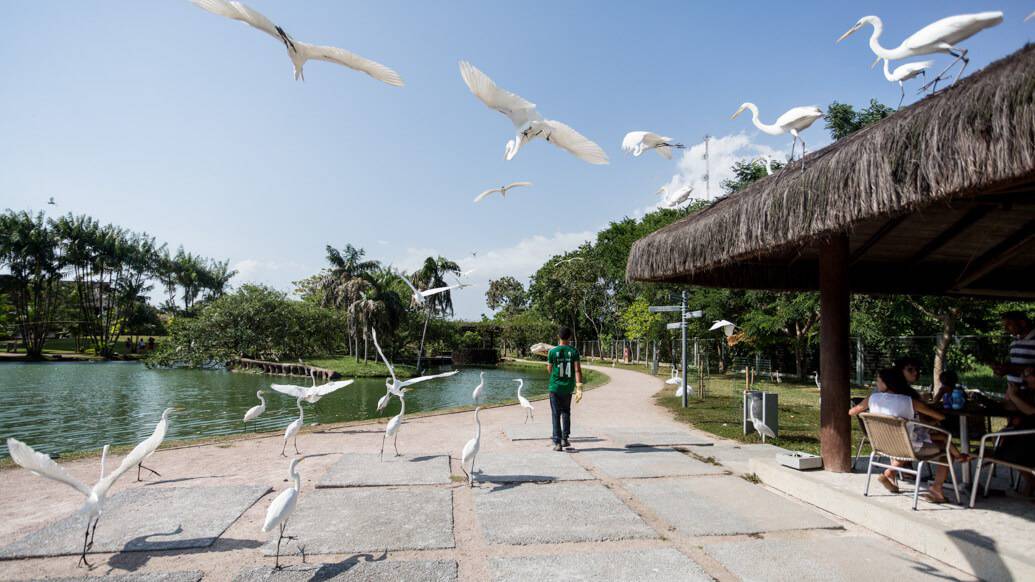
(897, 383)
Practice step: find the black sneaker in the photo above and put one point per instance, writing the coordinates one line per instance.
(558, 447)
(565, 444)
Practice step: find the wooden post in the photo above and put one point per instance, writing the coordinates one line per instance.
(834, 295)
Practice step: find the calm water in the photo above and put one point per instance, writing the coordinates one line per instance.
(64, 407)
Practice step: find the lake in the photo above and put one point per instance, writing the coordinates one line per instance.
(66, 407)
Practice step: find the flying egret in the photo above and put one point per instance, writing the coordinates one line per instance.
(541, 349)
(311, 394)
(471, 449)
(938, 37)
(393, 385)
(767, 161)
(903, 73)
(1029, 17)
(477, 394)
(760, 426)
(530, 125)
(465, 273)
(257, 410)
(524, 401)
(151, 443)
(676, 198)
(502, 190)
(392, 428)
(96, 496)
(727, 327)
(793, 121)
(283, 505)
(293, 428)
(419, 297)
(300, 52)
(636, 142)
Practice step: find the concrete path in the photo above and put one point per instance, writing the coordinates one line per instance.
(638, 497)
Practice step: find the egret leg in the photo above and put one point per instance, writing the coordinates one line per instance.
(902, 96)
(526, 416)
(383, 439)
(141, 466)
(280, 538)
(959, 56)
(966, 62)
(464, 469)
(297, 452)
(395, 443)
(82, 557)
(93, 532)
(802, 161)
(283, 448)
(471, 474)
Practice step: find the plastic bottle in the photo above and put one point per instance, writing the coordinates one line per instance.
(959, 399)
(947, 399)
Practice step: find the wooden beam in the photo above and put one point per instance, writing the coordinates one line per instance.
(966, 221)
(882, 232)
(997, 255)
(835, 432)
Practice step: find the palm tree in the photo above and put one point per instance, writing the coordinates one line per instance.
(345, 282)
(430, 275)
(30, 249)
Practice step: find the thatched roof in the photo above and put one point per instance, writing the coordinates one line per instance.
(928, 195)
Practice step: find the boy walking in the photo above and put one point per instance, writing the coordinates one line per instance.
(565, 371)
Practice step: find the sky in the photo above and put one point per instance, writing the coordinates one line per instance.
(166, 119)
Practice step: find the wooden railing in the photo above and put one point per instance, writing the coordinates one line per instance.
(286, 368)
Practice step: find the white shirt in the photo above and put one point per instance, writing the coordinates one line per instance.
(899, 405)
(1022, 353)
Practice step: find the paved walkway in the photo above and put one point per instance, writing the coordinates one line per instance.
(639, 497)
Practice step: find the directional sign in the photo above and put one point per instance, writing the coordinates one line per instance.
(693, 314)
(662, 308)
(677, 325)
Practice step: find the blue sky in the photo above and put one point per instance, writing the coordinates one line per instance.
(164, 118)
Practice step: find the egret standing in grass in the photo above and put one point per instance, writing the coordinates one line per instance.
(903, 73)
(940, 36)
(257, 410)
(392, 429)
(524, 401)
(754, 410)
(151, 443)
(637, 142)
(293, 428)
(283, 505)
(476, 396)
(793, 121)
(395, 386)
(471, 449)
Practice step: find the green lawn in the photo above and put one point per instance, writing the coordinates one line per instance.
(348, 367)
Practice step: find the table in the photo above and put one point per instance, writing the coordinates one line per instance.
(976, 410)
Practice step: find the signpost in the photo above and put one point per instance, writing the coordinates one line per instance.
(680, 325)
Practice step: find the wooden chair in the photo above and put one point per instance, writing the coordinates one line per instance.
(992, 461)
(889, 436)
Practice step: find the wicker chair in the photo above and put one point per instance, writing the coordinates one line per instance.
(992, 461)
(889, 436)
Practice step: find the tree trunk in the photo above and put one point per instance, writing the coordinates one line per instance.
(949, 320)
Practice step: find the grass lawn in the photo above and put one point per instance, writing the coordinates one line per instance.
(720, 411)
(348, 367)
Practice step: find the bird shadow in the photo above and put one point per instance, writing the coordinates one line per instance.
(137, 552)
(424, 458)
(326, 571)
(182, 479)
(505, 482)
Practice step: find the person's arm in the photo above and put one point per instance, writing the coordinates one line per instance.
(922, 407)
(578, 373)
(861, 407)
(1022, 405)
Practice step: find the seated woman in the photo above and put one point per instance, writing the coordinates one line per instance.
(1021, 449)
(895, 397)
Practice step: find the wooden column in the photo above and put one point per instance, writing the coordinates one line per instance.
(835, 429)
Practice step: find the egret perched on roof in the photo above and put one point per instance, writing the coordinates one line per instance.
(636, 142)
(792, 121)
(471, 449)
(311, 394)
(394, 385)
(524, 401)
(257, 410)
(283, 505)
(903, 73)
(940, 36)
(529, 123)
(502, 190)
(293, 428)
(727, 327)
(149, 445)
(300, 52)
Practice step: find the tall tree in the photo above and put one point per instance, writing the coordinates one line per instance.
(345, 282)
(432, 274)
(30, 249)
(506, 295)
(843, 120)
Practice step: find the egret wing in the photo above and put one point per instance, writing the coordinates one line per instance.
(952, 29)
(410, 285)
(518, 184)
(633, 139)
(241, 12)
(482, 196)
(437, 290)
(290, 390)
(325, 389)
(42, 465)
(351, 60)
(280, 508)
(799, 114)
(574, 142)
(419, 379)
(516, 107)
(720, 323)
(373, 334)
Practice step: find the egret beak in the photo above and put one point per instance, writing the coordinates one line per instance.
(850, 32)
(739, 111)
(877, 60)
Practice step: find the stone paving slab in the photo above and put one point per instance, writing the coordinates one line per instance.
(723, 506)
(631, 437)
(144, 577)
(525, 467)
(662, 565)
(365, 470)
(821, 559)
(342, 521)
(366, 569)
(559, 512)
(543, 431)
(646, 462)
(146, 519)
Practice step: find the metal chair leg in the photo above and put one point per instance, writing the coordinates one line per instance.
(955, 485)
(988, 482)
(916, 487)
(976, 482)
(858, 452)
(869, 475)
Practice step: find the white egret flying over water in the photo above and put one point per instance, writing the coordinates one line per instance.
(395, 386)
(524, 401)
(529, 123)
(293, 428)
(793, 121)
(636, 142)
(940, 36)
(257, 410)
(502, 190)
(419, 297)
(311, 394)
(471, 449)
(283, 506)
(151, 443)
(392, 428)
(903, 73)
(300, 52)
(477, 394)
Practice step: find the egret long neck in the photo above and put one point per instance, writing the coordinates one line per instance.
(887, 71)
(880, 51)
(301, 413)
(104, 459)
(402, 410)
(262, 400)
(293, 473)
(770, 129)
(477, 425)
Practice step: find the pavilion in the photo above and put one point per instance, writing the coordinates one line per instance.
(937, 199)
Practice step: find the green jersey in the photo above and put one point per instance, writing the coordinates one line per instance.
(562, 378)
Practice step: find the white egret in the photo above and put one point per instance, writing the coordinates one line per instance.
(761, 427)
(392, 428)
(767, 161)
(257, 410)
(293, 428)
(300, 52)
(793, 121)
(529, 123)
(940, 36)
(466, 273)
(524, 401)
(636, 142)
(311, 394)
(903, 73)
(477, 394)
(676, 198)
(727, 327)
(151, 443)
(419, 297)
(96, 496)
(471, 449)
(541, 349)
(502, 190)
(393, 385)
(282, 507)
(1029, 17)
